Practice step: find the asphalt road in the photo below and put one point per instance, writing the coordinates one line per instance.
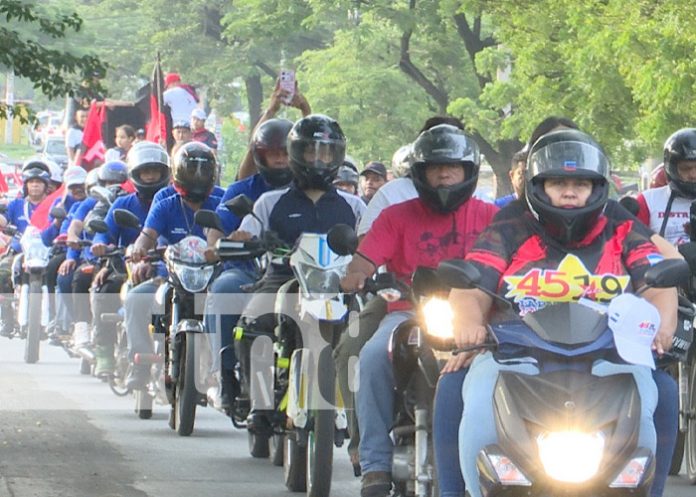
(67, 435)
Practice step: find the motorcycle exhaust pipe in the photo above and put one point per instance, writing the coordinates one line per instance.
(141, 358)
(86, 353)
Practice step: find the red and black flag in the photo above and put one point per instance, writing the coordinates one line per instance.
(159, 125)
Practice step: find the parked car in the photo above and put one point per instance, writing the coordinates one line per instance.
(54, 149)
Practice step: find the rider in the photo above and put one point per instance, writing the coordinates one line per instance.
(35, 179)
(444, 220)
(193, 172)
(148, 171)
(566, 192)
(316, 148)
(347, 180)
(269, 149)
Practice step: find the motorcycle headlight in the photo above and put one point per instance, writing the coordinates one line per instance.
(438, 316)
(193, 279)
(319, 283)
(571, 456)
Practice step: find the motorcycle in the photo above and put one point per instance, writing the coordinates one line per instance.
(565, 430)
(180, 361)
(303, 417)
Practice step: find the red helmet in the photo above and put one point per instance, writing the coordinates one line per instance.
(658, 177)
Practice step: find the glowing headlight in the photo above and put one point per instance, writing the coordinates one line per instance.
(438, 318)
(193, 279)
(569, 456)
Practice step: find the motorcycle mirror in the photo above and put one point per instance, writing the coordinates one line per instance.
(426, 281)
(630, 204)
(58, 212)
(457, 273)
(126, 219)
(667, 273)
(240, 206)
(97, 226)
(101, 193)
(208, 219)
(342, 239)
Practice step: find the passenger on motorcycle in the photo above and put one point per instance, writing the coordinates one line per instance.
(441, 223)
(193, 172)
(269, 149)
(35, 178)
(316, 149)
(566, 192)
(148, 171)
(76, 272)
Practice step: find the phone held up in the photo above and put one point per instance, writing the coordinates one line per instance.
(287, 84)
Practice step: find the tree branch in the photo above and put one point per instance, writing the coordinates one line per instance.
(266, 68)
(473, 42)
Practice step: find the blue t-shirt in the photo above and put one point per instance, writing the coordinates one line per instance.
(168, 191)
(172, 219)
(122, 237)
(18, 214)
(253, 187)
(51, 231)
(85, 207)
(503, 201)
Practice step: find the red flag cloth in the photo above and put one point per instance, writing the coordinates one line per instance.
(128, 186)
(39, 217)
(3, 184)
(92, 138)
(156, 130)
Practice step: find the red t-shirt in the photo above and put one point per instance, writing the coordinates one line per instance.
(410, 234)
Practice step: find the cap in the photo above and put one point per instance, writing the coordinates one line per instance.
(171, 77)
(181, 124)
(198, 113)
(634, 323)
(375, 167)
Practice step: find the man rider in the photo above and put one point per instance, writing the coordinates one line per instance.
(441, 223)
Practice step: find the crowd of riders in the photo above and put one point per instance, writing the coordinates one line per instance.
(420, 212)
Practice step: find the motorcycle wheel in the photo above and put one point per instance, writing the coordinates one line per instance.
(320, 441)
(186, 393)
(690, 445)
(143, 404)
(258, 445)
(118, 380)
(275, 448)
(85, 366)
(294, 463)
(31, 346)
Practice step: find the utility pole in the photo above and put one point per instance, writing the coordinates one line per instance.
(9, 100)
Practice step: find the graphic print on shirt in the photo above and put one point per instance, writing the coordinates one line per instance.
(569, 282)
(435, 247)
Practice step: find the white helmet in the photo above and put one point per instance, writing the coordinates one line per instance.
(55, 170)
(401, 161)
(74, 175)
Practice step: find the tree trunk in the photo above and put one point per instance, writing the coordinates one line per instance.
(254, 92)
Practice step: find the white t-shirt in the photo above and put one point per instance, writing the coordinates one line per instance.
(181, 102)
(393, 192)
(652, 204)
(73, 138)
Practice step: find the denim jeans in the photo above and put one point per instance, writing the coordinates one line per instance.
(223, 306)
(375, 397)
(477, 428)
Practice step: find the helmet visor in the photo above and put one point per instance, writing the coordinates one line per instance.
(568, 159)
(320, 154)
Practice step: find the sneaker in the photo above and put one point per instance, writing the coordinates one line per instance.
(226, 394)
(81, 335)
(375, 484)
(105, 361)
(138, 377)
(6, 329)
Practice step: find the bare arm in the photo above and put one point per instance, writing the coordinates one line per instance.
(359, 269)
(144, 242)
(668, 250)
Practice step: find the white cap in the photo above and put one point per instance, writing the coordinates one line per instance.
(198, 113)
(74, 175)
(634, 322)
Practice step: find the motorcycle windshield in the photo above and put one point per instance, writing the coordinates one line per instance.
(35, 252)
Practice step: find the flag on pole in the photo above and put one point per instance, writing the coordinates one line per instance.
(157, 130)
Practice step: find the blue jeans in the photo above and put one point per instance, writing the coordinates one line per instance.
(375, 397)
(477, 427)
(223, 306)
(449, 405)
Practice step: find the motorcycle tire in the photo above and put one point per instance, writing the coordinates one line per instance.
(258, 445)
(294, 464)
(275, 448)
(143, 404)
(690, 435)
(85, 366)
(186, 397)
(118, 380)
(33, 340)
(320, 442)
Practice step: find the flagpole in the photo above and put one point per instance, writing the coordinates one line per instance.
(159, 101)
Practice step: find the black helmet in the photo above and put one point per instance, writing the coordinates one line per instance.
(445, 144)
(271, 135)
(346, 174)
(566, 153)
(316, 148)
(678, 147)
(36, 163)
(193, 171)
(148, 155)
(401, 161)
(112, 172)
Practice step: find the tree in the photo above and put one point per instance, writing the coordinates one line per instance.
(54, 72)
